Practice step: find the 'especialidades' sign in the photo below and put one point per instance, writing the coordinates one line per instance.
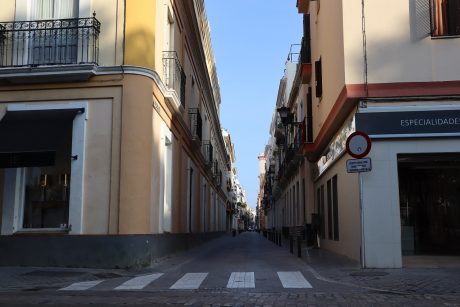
(409, 123)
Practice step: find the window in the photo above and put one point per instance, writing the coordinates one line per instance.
(56, 43)
(332, 209)
(322, 215)
(35, 150)
(329, 210)
(54, 9)
(319, 78)
(445, 17)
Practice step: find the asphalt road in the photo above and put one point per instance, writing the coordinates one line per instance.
(246, 270)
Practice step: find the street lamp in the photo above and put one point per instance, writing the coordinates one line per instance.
(285, 115)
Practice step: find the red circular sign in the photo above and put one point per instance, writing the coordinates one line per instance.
(358, 144)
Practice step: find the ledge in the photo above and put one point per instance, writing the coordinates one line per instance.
(46, 74)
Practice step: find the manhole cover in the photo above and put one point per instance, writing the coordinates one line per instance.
(368, 273)
(38, 273)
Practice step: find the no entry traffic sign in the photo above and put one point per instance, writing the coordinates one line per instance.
(358, 144)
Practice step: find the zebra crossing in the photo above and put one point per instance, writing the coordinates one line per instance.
(191, 281)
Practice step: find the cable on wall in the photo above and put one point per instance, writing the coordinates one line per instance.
(363, 27)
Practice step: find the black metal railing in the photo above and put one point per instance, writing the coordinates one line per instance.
(49, 42)
(207, 152)
(174, 76)
(196, 123)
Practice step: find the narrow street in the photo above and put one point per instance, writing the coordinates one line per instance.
(246, 270)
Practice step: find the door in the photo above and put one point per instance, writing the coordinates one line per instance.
(54, 41)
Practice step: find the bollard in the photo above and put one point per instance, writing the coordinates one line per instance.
(279, 239)
(291, 244)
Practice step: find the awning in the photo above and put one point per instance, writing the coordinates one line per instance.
(30, 138)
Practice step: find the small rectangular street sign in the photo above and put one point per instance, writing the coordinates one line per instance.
(359, 165)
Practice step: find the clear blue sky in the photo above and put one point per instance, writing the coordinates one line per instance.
(251, 41)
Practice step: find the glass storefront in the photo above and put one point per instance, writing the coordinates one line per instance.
(429, 188)
(36, 162)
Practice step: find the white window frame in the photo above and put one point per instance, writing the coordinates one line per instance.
(13, 222)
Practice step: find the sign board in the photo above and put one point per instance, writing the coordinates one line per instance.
(359, 165)
(409, 123)
(358, 145)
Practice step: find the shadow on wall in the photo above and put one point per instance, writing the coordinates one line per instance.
(140, 49)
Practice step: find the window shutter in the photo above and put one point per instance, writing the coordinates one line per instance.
(319, 79)
(453, 18)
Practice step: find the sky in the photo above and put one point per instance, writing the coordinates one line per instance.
(251, 41)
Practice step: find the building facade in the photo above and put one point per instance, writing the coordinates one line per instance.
(398, 83)
(109, 119)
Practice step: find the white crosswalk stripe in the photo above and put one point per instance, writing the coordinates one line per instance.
(241, 280)
(139, 282)
(190, 281)
(293, 280)
(80, 286)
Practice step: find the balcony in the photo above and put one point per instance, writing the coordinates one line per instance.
(174, 76)
(196, 123)
(207, 153)
(303, 6)
(291, 151)
(49, 42)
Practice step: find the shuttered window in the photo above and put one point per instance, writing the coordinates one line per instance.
(319, 78)
(445, 17)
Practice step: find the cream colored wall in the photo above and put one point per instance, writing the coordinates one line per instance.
(327, 43)
(349, 210)
(97, 173)
(111, 15)
(7, 10)
(399, 47)
(136, 153)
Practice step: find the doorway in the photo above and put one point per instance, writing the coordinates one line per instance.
(429, 193)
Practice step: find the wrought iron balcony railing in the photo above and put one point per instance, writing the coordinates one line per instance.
(207, 152)
(174, 76)
(196, 123)
(49, 42)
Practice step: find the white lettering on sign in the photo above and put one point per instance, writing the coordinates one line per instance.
(430, 122)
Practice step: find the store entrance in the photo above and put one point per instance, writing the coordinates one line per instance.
(429, 193)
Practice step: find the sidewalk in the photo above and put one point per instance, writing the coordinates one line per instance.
(416, 278)
(41, 278)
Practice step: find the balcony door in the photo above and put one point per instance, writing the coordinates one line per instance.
(54, 41)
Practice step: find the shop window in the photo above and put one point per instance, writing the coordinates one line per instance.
(35, 154)
(445, 17)
(329, 210)
(321, 211)
(332, 209)
(335, 207)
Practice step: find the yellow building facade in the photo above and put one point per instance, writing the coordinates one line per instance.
(109, 115)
